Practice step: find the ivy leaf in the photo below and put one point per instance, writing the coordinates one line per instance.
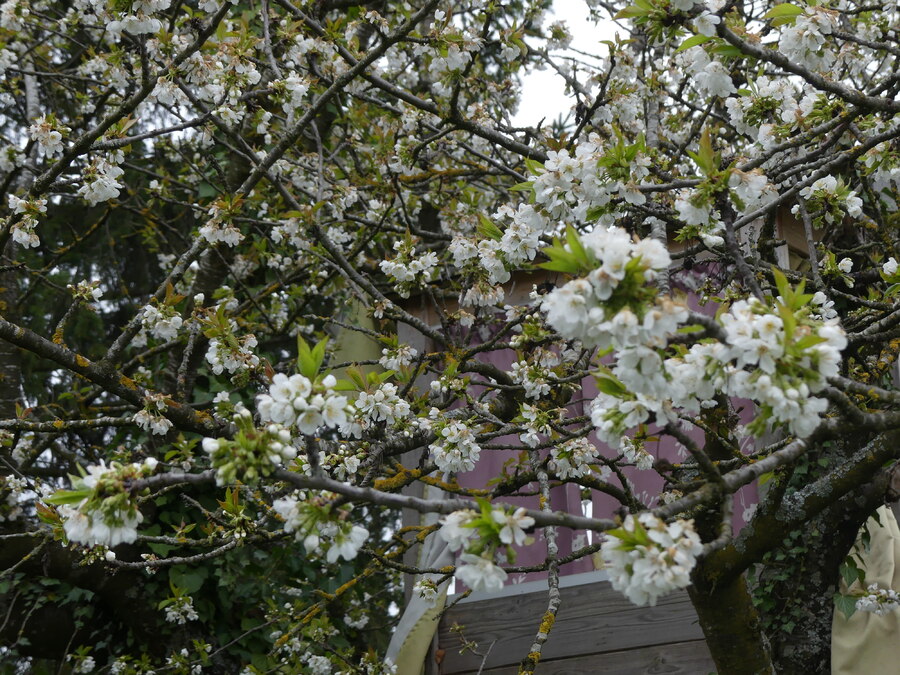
(845, 603)
(850, 572)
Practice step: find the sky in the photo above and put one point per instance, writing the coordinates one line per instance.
(543, 91)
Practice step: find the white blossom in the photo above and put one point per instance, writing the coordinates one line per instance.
(649, 558)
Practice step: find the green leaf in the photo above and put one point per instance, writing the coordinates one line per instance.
(705, 157)
(188, 580)
(781, 283)
(487, 229)
(845, 603)
(205, 190)
(560, 261)
(766, 477)
(784, 9)
(693, 41)
(310, 360)
(575, 246)
(68, 496)
(725, 49)
(534, 166)
(611, 386)
(850, 572)
(631, 12)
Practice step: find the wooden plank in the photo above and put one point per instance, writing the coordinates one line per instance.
(681, 658)
(593, 619)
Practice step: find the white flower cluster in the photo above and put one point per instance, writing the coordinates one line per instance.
(833, 197)
(295, 87)
(767, 102)
(86, 664)
(805, 41)
(455, 448)
(162, 322)
(535, 379)
(478, 570)
(573, 459)
(313, 524)
(646, 558)
(318, 665)
(694, 209)
(150, 418)
(383, 404)
(11, 491)
(167, 93)
(784, 374)
(232, 355)
(139, 20)
(824, 308)
(101, 179)
(11, 157)
(49, 134)
(710, 77)
(253, 452)
(571, 186)
(522, 238)
(219, 227)
(517, 244)
(400, 357)
(409, 269)
(880, 601)
(480, 573)
(181, 610)
(298, 402)
(760, 360)
(427, 590)
(536, 422)
(636, 454)
(12, 14)
(88, 291)
(104, 514)
(23, 231)
(580, 309)
(752, 188)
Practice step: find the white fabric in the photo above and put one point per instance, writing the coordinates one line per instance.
(867, 643)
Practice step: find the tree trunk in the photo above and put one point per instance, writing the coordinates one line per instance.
(799, 580)
(731, 624)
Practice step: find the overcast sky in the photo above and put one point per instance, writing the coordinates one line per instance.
(543, 92)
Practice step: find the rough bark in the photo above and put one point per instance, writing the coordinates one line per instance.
(731, 624)
(801, 585)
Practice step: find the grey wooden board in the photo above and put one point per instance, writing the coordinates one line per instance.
(593, 619)
(681, 658)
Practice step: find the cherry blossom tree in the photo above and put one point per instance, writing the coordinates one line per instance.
(274, 272)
